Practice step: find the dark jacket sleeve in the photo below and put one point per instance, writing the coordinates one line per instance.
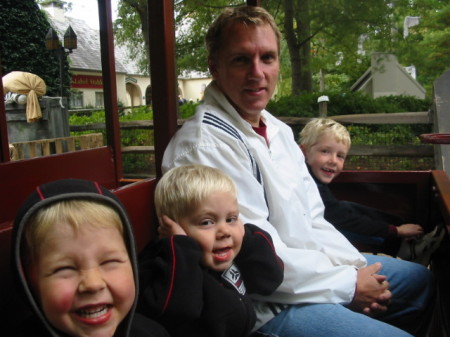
(354, 217)
(171, 278)
(261, 268)
(145, 327)
(186, 298)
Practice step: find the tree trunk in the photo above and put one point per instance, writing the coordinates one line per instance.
(299, 44)
(142, 9)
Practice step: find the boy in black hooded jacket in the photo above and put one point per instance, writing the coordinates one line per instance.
(74, 256)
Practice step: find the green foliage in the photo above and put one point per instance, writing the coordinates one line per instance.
(187, 110)
(428, 43)
(192, 19)
(55, 2)
(349, 103)
(137, 137)
(386, 134)
(138, 165)
(133, 163)
(85, 119)
(23, 28)
(345, 103)
(365, 134)
(143, 112)
(343, 35)
(128, 32)
(389, 163)
(294, 106)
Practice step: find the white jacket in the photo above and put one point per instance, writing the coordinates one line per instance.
(320, 264)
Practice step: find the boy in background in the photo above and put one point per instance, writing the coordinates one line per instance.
(325, 144)
(74, 256)
(196, 279)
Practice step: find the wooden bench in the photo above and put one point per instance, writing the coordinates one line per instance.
(423, 197)
(404, 193)
(408, 194)
(419, 196)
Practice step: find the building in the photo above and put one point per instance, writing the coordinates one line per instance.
(133, 85)
(386, 76)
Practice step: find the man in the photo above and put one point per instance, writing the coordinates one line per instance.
(329, 289)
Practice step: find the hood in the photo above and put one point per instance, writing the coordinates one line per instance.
(57, 191)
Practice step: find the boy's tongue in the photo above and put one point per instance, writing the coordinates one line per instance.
(222, 254)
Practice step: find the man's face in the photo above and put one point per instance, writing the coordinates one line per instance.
(246, 68)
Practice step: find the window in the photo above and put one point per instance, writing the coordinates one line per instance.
(76, 99)
(99, 101)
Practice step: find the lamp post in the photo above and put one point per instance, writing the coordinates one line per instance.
(52, 43)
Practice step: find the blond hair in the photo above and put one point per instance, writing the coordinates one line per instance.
(75, 213)
(249, 15)
(183, 188)
(318, 126)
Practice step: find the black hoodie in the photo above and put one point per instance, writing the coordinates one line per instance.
(133, 325)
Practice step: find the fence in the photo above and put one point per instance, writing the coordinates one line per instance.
(373, 149)
(411, 156)
(139, 159)
(46, 147)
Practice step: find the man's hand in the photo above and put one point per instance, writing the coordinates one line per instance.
(167, 227)
(372, 293)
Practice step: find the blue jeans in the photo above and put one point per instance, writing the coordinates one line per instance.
(412, 289)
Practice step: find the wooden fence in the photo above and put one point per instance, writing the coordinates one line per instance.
(42, 147)
(46, 147)
(356, 150)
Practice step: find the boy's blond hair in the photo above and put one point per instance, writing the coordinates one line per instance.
(319, 126)
(75, 213)
(186, 187)
(249, 15)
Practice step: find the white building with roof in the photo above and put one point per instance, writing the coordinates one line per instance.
(386, 77)
(133, 86)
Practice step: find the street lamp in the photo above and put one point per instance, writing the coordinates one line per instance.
(52, 43)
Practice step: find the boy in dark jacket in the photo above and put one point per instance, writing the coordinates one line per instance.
(196, 279)
(325, 144)
(74, 256)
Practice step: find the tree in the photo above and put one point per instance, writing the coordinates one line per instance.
(322, 25)
(328, 36)
(427, 46)
(23, 27)
(131, 30)
(297, 31)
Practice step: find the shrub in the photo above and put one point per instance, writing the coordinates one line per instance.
(187, 110)
(345, 103)
(132, 163)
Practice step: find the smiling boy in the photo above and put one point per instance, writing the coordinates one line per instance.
(207, 262)
(325, 144)
(75, 259)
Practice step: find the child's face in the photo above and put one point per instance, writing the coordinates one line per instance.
(215, 225)
(326, 158)
(84, 280)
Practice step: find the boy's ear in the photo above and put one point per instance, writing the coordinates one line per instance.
(303, 148)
